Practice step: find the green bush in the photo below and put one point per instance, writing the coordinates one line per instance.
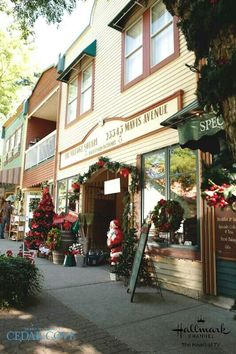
(19, 279)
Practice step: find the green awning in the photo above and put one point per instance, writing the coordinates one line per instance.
(88, 51)
(198, 130)
(204, 133)
(119, 22)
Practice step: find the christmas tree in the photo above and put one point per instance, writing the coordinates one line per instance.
(42, 221)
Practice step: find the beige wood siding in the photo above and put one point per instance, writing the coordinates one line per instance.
(180, 275)
(109, 101)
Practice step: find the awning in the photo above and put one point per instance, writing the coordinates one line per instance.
(121, 18)
(198, 130)
(204, 133)
(88, 51)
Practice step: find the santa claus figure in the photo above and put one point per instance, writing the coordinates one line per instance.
(114, 241)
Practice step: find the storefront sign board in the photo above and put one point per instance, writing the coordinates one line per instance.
(113, 132)
(225, 233)
(112, 186)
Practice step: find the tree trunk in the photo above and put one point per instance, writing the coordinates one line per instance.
(222, 49)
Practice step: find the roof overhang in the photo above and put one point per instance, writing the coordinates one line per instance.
(118, 22)
(89, 51)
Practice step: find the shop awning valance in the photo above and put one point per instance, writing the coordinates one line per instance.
(198, 130)
(202, 133)
(89, 51)
(118, 22)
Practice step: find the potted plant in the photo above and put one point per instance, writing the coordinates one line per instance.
(54, 244)
(69, 260)
(77, 250)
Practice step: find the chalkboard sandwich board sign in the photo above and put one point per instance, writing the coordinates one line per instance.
(138, 259)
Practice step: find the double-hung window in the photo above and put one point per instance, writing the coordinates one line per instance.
(80, 94)
(86, 89)
(134, 52)
(72, 100)
(18, 136)
(149, 43)
(162, 34)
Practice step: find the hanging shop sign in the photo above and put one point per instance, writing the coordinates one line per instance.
(112, 186)
(114, 132)
(225, 233)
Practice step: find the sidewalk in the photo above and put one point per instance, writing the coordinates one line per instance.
(98, 317)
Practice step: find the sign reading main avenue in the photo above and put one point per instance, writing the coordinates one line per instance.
(113, 132)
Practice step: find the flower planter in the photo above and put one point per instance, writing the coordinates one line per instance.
(80, 260)
(57, 257)
(69, 261)
(67, 240)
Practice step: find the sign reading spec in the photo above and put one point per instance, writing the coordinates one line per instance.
(116, 131)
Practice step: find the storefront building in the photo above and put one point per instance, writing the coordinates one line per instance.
(124, 76)
(12, 134)
(40, 139)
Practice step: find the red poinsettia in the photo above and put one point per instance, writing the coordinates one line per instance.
(67, 225)
(9, 253)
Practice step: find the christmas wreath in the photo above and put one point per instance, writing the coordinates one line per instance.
(167, 215)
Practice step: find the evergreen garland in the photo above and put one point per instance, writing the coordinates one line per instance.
(113, 166)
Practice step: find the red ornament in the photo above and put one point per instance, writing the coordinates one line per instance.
(45, 190)
(101, 163)
(67, 225)
(124, 171)
(76, 187)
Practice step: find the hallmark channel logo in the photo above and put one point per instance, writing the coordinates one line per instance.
(200, 329)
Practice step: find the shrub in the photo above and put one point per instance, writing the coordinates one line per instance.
(19, 279)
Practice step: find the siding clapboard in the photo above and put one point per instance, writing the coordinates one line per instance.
(108, 100)
(226, 278)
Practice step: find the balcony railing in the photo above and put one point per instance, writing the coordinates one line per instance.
(41, 151)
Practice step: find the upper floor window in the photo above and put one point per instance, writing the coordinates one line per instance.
(18, 136)
(7, 145)
(149, 44)
(162, 34)
(72, 100)
(86, 89)
(134, 52)
(12, 142)
(80, 93)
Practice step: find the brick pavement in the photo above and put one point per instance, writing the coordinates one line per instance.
(54, 319)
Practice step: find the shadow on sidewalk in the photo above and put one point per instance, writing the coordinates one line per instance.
(51, 327)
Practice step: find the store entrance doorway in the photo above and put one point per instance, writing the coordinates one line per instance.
(105, 212)
(103, 207)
